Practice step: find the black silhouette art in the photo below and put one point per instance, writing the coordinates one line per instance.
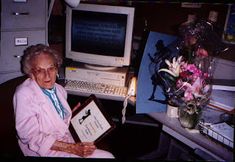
(87, 113)
(157, 62)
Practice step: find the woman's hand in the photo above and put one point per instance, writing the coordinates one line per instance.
(76, 107)
(84, 149)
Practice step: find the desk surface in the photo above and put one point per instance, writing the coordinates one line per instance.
(192, 139)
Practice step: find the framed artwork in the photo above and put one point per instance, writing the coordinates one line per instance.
(90, 122)
(150, 96)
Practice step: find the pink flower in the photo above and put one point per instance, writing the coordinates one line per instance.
(206, 75)
(188, 95)
(191, 90)
(184, 74)
(192, 68)
(191, 84)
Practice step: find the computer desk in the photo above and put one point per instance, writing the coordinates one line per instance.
(195, 139)
(172, 127)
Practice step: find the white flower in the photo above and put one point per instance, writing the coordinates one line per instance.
(174, 67)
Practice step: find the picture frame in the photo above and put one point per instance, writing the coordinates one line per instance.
(90, 123)
(150, 97)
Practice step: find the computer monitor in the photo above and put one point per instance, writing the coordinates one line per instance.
(99, 35)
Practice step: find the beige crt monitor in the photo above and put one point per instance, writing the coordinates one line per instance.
(99, 35)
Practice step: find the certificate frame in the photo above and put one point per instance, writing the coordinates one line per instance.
(90, 123)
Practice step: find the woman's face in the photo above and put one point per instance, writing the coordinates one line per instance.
(44, 71)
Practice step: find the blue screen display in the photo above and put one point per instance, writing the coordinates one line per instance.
(98, 33)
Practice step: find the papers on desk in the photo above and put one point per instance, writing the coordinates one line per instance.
(221, 132)
(223, 99)
(212, 124)
(226, 131)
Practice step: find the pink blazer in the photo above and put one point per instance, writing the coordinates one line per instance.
(38, 124)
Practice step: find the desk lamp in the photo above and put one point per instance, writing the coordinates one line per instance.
(71, 3)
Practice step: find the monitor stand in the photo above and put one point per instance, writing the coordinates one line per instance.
(101, 68)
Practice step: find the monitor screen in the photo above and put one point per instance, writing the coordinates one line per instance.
(99, 34)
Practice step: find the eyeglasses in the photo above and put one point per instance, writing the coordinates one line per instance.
(43, 72)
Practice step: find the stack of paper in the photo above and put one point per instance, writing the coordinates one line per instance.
(223, 133)
(223, 99)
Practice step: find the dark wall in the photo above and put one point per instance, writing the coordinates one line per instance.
(160, 16)
(165, 17)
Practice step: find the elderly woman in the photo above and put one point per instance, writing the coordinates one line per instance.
(42, 113)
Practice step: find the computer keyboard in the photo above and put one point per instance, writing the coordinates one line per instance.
(104, 91)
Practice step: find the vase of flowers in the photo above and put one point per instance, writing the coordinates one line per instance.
(187, 77)
(194, 82)
(190, 87)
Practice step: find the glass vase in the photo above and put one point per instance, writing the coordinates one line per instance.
(189, 115)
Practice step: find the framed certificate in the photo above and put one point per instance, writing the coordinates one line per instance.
(90, 122)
